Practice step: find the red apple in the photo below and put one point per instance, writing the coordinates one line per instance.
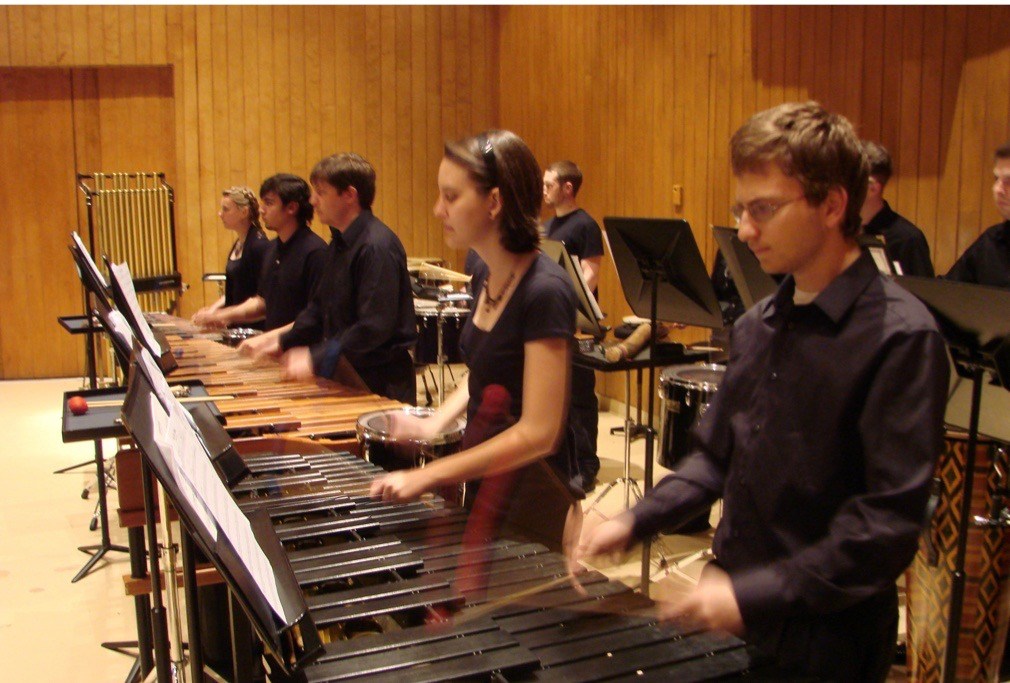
(77, 405)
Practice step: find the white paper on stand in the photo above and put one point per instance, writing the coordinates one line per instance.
(121, 273)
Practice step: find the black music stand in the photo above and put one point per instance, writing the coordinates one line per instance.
(278, 630)
(663, 277)
(975, 321)
(752, 283)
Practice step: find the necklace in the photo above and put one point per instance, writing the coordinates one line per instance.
(491, 302)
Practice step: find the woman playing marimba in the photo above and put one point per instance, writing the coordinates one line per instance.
(519, 336)
(240, 213)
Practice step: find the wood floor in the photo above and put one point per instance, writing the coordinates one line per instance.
(52, 630)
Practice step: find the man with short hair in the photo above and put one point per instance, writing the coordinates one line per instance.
(363, 309)
(904, 243)
(824, 435)
(292, 264)
(582, 237)
(987, 260)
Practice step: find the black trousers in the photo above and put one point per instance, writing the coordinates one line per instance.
(855, 644)
(395, 379)
(584, 412)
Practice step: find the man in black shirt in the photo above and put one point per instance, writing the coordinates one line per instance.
(987, 261)
(292, 264)
(903, 242)
(363, 308)
(825, 432)
(582, 237)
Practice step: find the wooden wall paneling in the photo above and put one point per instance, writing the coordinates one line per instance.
(416, 161)
(294, 56)
(951, 117)
(253, 100)
(372, 89)
(777, 55)
(63, 35)
(280, 46)
(181, 52)
(128, 34)
(111, 47)
(5, 38)
(854, 61)
(436, 131)
(821, 86)
(906, 150)
(143, 26)
(237, 132)
(890, 111)
(872, 75)
(18, 43)
(315, 146)
(997, 89)
(212, 98)
(385, 160)
(410, 229)
(159, 28)
(37, 103)
(267, 100)
(930, 124)
(975, 166)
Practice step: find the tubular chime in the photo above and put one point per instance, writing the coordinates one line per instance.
(131, 218)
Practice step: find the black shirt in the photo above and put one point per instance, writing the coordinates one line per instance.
(579, 232)
(987, 261)
(243, 273)
(903, 242)
(822, 440)
(291, 271)
(364, 307)
(541, 307)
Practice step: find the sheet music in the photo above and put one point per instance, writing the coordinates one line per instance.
(157, 378)
(87, 259)
(121, 328)
(196, 478)
(121, 273)
(177, 451)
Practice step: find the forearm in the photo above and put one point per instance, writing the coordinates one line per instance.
(250, 310)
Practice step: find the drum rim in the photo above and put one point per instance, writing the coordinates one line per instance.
(449, 437)
(665, 380)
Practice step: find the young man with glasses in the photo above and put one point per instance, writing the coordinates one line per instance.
(903, 242)
(824, 434)
(987, 261)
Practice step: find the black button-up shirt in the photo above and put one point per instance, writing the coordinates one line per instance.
(903, 242)
(291, 271)
(364, 307)
(987, 261)
(822, 441)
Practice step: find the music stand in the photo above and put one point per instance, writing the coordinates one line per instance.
(752, 283)
(975, 321)
(663, 277)
(125, 297)
(588, 313)
(246, 552)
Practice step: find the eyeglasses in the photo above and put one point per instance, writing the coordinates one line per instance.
(487, 152)
(760, 210)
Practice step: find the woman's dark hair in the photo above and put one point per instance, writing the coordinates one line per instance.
(500, 158)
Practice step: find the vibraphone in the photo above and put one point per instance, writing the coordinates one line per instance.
(437, 607)
(436, 600)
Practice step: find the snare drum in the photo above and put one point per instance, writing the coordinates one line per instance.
(233, 336)
(426, 350)
(379, 446)
(686, 391)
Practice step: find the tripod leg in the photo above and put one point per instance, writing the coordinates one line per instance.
(134, 674)
(99, 553)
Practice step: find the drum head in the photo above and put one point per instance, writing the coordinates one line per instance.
(703, 376)
(376, 427)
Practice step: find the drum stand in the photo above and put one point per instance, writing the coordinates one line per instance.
(630, 483)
